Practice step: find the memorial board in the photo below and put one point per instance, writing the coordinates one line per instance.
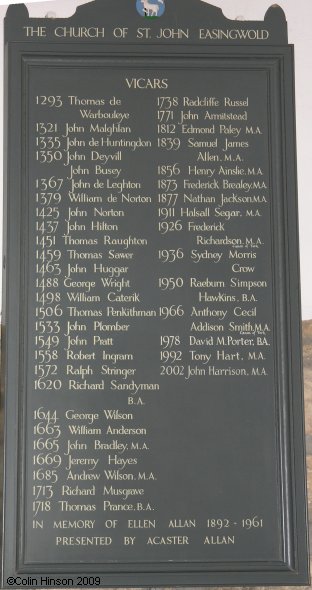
(151, 353)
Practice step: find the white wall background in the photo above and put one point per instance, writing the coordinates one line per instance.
(299, 17)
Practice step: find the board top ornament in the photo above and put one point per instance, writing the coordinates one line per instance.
(190, 15)
(150, 8)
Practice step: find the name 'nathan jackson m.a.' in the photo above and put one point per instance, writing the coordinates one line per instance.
(151, 351)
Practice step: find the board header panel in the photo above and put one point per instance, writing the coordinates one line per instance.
(172, 21)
